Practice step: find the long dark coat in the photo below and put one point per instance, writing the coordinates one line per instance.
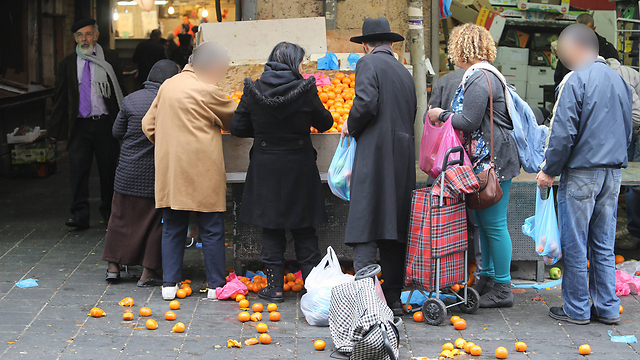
(282, 188)
(383, 178)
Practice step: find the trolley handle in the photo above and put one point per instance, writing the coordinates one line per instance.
(459, 161)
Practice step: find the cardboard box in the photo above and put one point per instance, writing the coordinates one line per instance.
(542, 41)
(37, 152)
(491, 21)
(563, 7)
(510, 12)
(548, 2)
(514, 38)
(515, 72)
(542, 58)
(463, 13)
(504, 2)
(535, 92)
(511, 55)
(541, 75)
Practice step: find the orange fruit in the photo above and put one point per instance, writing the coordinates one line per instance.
(262, 328)
(619, 259)
(460, 324)
(244, 304)
(178, 328)
(468, 346)
(346, 81)
(501, 352)
(521, 346)
(188, 290)
(184, 286)
(265, 339)
(97, 312)
(255, 317)
(335, 81)
(454, 319)
(126, 302)
(584, 349)
(476, 350)
(456, 287)
(352, 77)
(352, 85)
(186, 281)
(274, 316)
(257, 287)
(181, 294)
(621, 309)
(460, 343)
(174, 305)
(170, 315)
(145, 311)
(240, 297)
(405, 307)
(286, 287)
(296, 287)
(257, 307)
(251, 341)
(587, 264)
(418, 316)
(299, 282)
(323, 97)
(340, 76)
(244, 316)
(272, 307)
(319, 345)
(447, 346)
(331, 95)
(128, 316)
(152, 324)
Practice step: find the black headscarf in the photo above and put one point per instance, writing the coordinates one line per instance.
(162, 70)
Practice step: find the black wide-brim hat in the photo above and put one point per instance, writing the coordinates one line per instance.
(377, 30)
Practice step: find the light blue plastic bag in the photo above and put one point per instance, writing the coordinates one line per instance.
(543, 228)
(339, 177)
(352, 59)
(328, 62)
(27, 283)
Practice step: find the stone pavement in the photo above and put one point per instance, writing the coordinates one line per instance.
(51, 321)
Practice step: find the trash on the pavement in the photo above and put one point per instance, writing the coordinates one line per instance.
(233, 286)
(622, 283)
(27, 283)
(627, 339)
(631, 267)
(536, 286)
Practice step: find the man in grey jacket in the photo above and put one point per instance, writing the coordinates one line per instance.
(590, 130)
(629, 238)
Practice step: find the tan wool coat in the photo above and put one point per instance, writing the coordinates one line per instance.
(184, 123)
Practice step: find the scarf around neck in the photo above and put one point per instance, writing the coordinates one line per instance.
(100, 82)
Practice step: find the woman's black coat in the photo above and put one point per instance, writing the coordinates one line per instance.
(282, 188)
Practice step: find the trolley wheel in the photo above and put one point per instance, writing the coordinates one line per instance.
(434, 311)
(368, 271)
(473, 300)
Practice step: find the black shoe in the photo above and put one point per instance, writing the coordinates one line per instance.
(396, 307)
(484, 284)
(604, 320)
(112, 276)
(77, 224)
(150, 283)
(275, 281)
(500, 296)
(557, 312)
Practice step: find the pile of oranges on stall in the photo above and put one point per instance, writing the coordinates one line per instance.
(338, 98)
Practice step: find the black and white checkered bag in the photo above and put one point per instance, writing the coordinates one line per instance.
(362, 325)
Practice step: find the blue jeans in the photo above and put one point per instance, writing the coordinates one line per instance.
(174, 234)
(588, 206)
(632, 194)
(494, 238)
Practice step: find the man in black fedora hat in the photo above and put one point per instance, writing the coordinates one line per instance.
(381, 120)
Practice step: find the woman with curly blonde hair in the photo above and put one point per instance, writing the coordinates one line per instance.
(471, 47)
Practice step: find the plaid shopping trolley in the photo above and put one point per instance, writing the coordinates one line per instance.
(437, 246)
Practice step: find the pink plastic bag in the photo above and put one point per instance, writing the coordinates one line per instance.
(321, 79)
(622, 283)
(434, 145)
(233, 286)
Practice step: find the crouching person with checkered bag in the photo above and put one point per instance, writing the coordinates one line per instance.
(362, 325)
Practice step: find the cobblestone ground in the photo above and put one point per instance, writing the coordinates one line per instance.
(51, 321)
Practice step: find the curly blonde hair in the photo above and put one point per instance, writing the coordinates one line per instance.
(471, 42)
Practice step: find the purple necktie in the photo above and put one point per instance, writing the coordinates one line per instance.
(85, 91)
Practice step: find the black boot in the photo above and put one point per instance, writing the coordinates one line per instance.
(275, 280)
(484, 284)
(499, 296)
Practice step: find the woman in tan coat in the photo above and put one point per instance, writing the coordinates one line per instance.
(185, 122)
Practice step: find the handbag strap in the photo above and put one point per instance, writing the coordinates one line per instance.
(490, 112)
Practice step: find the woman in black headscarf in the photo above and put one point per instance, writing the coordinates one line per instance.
(134, 233)
(283, 189)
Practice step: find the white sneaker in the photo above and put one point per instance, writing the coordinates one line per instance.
(211, 294)
(169, 292)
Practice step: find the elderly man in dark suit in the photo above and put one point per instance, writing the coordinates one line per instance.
(384, 176)
(87, 99)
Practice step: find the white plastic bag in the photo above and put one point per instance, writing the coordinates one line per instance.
(324, 276)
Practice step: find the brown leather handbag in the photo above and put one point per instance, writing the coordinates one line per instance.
(490, 191)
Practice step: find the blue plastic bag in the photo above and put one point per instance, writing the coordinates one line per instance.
(352, 59)
(328, 62)
(27, 283)
(339, 177)
(543, 228)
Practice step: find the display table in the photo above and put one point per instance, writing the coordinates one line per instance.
(247, 238)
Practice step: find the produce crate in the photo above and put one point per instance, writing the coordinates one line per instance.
(36, 152)
(34, 170)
